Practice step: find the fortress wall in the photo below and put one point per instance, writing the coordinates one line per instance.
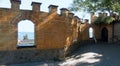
(30, 55)
(98, 27)
(53, 33)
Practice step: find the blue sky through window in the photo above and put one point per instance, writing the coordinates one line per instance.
(25, 26)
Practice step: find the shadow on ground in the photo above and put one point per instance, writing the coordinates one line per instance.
(101, 54)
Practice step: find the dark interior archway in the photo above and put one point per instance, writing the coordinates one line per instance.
(104, 34)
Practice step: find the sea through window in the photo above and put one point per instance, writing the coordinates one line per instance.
(26, 35)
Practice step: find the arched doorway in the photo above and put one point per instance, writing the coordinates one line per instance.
(26, 34)
(104, 34)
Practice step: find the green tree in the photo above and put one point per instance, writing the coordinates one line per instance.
(96, 5)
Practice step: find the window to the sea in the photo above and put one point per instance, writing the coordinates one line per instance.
(26, 34)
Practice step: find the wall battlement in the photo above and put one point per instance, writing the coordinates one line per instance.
(54, 33)
(15, 5)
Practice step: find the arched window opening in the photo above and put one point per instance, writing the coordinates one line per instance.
(26, 36)
(91, 32)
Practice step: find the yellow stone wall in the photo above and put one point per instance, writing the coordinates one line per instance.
(84, 32)
(52, 30)
(98, 28)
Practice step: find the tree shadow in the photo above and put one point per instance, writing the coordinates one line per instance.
(95, 55)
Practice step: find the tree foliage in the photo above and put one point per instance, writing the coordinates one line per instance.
(104, 20)
(96, 5)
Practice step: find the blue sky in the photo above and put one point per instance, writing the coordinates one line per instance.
(26, 5)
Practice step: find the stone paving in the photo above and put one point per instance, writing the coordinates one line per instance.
(87, 55)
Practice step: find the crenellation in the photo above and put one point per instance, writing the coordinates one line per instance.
(86, 20)
(105, 14)
(70, 15)
(76, 18)
(47, 25)
(75, 21)
(36, 6)
(64, 12)
(78, 23)
(53, 9)
(13, 1)
(15, 4)
(92, 17)
(100, 14)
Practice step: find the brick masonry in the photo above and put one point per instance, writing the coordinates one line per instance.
(30, 55)
(54, 33)
(99, 27)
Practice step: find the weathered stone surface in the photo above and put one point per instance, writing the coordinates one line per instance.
(53, 32)
(29, 55)
(111, 28)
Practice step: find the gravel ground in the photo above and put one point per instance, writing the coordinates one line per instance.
(102, 54)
